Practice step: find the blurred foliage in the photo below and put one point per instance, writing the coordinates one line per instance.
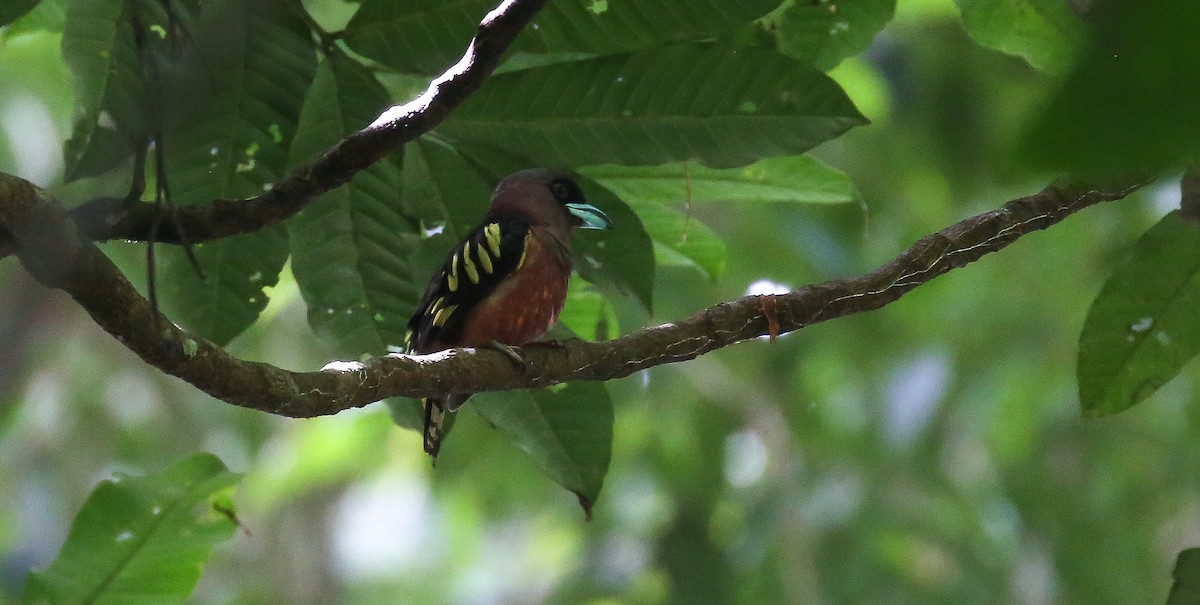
(1139, 63)
(141, 539)
(931, 452)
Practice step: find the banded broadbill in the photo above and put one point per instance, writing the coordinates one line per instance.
(505, 283)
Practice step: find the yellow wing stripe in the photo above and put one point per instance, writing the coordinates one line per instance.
(452, 278)
(468, 264)
(492, 233)
(443, 315)
(485, 260)
(524, 249)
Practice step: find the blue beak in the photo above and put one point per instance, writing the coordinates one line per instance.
(590, 217)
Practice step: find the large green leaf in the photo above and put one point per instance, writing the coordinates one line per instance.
(587, 313)
(350, 247)
(110, 97)
(566, 430)
(1133, 101)
(656, 107)
(824, 32)
(47, 15)
(674, 228)
(800, 179)
(620, 259)
(141, 539)
(1142, 328)
(230, 139)
(428, 37)
(1044, 32)
(13, 9)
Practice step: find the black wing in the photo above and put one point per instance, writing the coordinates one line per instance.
(472, 270)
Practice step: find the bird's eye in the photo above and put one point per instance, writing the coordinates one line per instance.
(560, 190)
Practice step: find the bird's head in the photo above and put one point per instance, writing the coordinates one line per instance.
(542, 196)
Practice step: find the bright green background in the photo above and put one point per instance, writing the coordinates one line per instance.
(930, 452)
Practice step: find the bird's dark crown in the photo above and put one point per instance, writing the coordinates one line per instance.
(538, 195)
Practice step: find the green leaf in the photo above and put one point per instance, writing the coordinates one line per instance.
(409, 35)
(230, 139)
(1186, 590)
(1046, 33)
(428, 37)
(238, 271)
(1132, 104)
(587, 314)
(566, 430)
(792, 179)
(141, 539)
(1142, 328)
(13, 9)
(684, 234)
(407, 413)
(655, 107)
(350, 247)
(47, 15)
(442, 189)
(824, 32)
(110, 96)
(620, 260)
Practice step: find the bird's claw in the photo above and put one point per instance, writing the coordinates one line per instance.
(511, 353)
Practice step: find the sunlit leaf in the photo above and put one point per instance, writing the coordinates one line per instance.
(47, 15)
(656, 107)
(587, 313)
(1044, 32)
(141, 539)
(350, 247)
(14, 9)
(1142, 328)
(566, 430)
(826, 31)
(684, 234)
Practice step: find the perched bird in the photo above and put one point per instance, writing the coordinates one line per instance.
(505, 283)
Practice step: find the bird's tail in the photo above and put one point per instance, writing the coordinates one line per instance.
(438, 421)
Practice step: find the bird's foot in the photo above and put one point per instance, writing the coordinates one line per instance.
(511, 353)
(551, 343)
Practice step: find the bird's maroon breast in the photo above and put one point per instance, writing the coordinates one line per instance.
(525, 305)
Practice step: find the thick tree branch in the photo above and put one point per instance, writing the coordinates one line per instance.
(58, 255)
(112, 218)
